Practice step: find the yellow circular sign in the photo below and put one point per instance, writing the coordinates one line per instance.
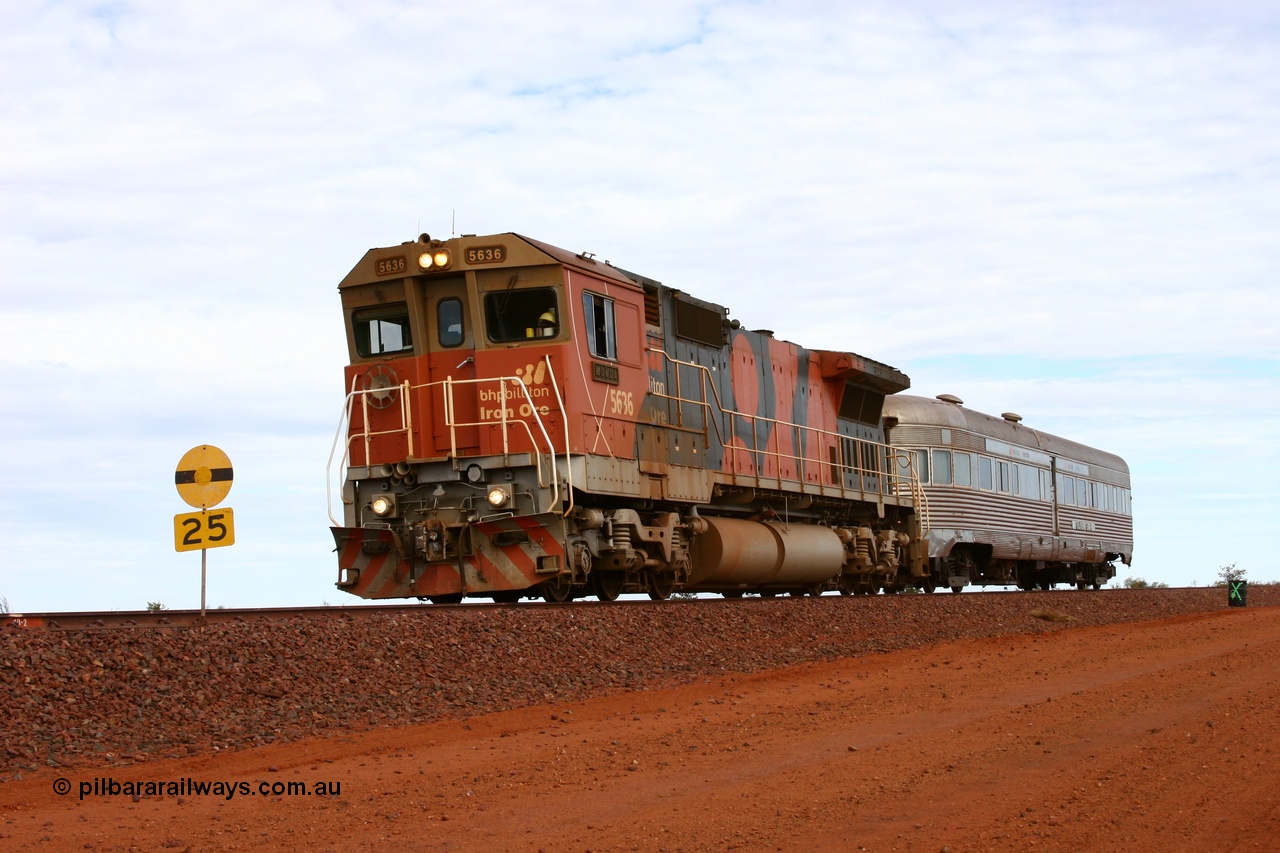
(203, 477)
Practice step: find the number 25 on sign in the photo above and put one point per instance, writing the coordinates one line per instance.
(211, 528)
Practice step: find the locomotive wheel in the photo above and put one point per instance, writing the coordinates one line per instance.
(1081, 585)
(957, 589)
(557, 590)
(768, 593)
(1097, 584)
(732, 593)
(451, 598)
(929, 584)
(508, 597)
(607, 586)
(661, 586)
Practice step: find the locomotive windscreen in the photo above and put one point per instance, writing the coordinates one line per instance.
(517, 315)
(384, 329)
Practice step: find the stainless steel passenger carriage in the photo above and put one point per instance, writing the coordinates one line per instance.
(1006, 504)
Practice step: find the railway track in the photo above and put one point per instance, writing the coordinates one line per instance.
(106, 620)
(122, 619)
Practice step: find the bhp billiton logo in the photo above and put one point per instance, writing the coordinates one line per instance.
(511, 400)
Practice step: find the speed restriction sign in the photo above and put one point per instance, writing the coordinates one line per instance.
(210, 528)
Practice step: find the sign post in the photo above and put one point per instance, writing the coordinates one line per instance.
(203, 479)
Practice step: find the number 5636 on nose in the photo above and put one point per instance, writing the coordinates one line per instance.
(211, 528)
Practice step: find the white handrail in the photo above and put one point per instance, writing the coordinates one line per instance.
(366, 435)
(889, 480)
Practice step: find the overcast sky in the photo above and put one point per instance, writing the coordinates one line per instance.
(1067, 210)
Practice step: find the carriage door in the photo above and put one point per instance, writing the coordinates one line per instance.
(452, 351)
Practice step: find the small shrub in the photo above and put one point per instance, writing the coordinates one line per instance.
(1229, 573)
(1139, 583)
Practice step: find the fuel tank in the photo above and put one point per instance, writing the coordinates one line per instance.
(735, 552)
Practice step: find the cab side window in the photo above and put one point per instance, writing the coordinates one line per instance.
(602, 339)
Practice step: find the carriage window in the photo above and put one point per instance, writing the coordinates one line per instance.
(382, 329)
(1004, 476)
(519, 315)
(601, 337)
(449, 322)
(922, 465)
(903, 464)
(1046, 486)
(984, 473)
(1028, 481)
(1068, 491)
(961, 464)
(942, 467)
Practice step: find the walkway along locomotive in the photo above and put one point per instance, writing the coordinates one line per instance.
(525, 421)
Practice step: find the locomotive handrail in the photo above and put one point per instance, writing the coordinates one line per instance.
(888, 481)
(448, 384)
(918, 496)
(366, 435)
(344, 421)
(564, 422)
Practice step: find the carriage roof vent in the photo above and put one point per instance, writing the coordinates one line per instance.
(1011, 417)
(951, 398)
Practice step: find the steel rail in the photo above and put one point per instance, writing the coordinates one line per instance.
(114, 619)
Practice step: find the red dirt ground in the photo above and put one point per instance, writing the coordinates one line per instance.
(1145, 736)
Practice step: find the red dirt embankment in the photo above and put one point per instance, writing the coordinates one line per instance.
(1023, 733)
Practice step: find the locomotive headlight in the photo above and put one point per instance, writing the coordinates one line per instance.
(499, 496)
(438, 259)
(383, 505)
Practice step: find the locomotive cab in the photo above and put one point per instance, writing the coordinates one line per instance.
(465, 356)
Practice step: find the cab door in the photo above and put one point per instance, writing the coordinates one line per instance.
(451, 356)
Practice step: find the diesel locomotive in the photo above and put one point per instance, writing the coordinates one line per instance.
(525, 421)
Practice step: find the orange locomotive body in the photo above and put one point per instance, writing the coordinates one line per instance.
(526, 421)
